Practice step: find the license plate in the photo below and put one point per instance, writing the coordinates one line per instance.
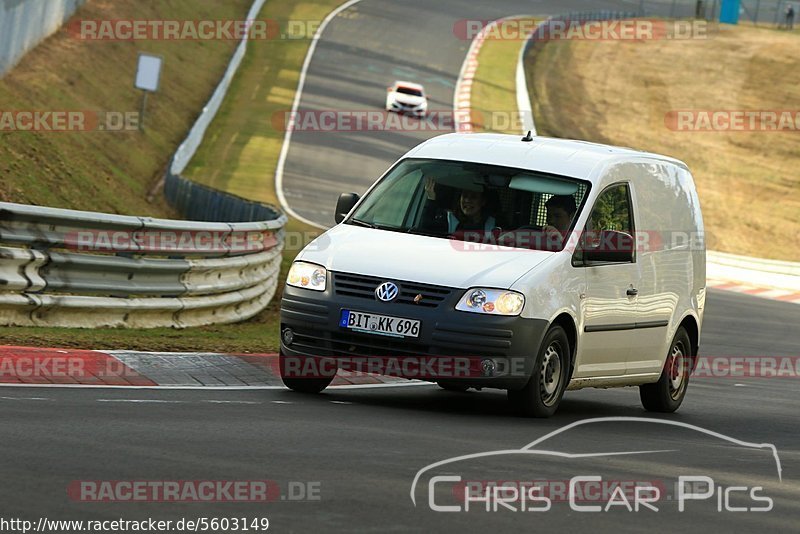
(371, 323)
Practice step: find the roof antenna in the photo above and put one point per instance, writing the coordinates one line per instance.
(528, 138)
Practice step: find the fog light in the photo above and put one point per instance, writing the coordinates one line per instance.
(288, 336)
(488, 367)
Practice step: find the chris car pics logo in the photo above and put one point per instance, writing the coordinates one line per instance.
(445, 486)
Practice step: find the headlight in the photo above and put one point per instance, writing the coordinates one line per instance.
(307, 276)
(492, 301)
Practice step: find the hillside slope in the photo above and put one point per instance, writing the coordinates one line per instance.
(101, 170)
(623, 93)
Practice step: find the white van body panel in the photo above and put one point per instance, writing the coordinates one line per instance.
(416, 258)
(668, 271)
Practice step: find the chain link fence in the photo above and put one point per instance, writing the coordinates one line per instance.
(758, 12)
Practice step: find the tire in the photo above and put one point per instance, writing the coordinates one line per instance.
(302, 384)
(542, 394)
(667, 394)
(452, 385)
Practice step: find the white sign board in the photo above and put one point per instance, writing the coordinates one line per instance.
(148, 74)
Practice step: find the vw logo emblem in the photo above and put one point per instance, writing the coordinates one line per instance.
(387, 291)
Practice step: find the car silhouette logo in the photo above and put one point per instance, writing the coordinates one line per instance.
(387, 291)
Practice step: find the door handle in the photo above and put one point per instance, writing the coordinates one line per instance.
(632, 292)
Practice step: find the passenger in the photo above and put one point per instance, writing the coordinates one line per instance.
(560, 211)
(470, 215)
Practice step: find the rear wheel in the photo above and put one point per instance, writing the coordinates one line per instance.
(302, 378)
(542, 394)
(668, 393)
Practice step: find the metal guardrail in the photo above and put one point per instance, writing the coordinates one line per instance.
(82, 269)
(199, 202)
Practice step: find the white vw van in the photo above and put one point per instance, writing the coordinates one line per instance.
(529, 264)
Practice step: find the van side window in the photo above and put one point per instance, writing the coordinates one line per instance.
(612, 211)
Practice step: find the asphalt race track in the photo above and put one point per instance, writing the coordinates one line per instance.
(360, 449)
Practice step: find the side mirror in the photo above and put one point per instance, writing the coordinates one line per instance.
(608, 246)
(346, 202)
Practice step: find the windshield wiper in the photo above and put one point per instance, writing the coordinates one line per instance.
(358, 222)
(419, 231)
(374, 226)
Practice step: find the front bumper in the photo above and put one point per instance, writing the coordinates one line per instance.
(446, 336)
(417, 111)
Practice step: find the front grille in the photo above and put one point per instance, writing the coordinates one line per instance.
(358, 286)
(344, 343)
(351, 344)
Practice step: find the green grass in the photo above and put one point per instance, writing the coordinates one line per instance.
(494, 93)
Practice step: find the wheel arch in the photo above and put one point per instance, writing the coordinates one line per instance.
(689, 323)
(567, 322)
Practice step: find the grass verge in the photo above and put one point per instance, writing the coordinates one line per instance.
(494, 91)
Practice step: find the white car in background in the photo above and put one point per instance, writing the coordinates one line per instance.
(407, 97)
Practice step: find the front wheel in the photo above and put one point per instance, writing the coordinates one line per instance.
(297, 377)
(542, 394)
(667, 394)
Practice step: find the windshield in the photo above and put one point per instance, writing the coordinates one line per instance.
(409, 91)
(474, 202)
